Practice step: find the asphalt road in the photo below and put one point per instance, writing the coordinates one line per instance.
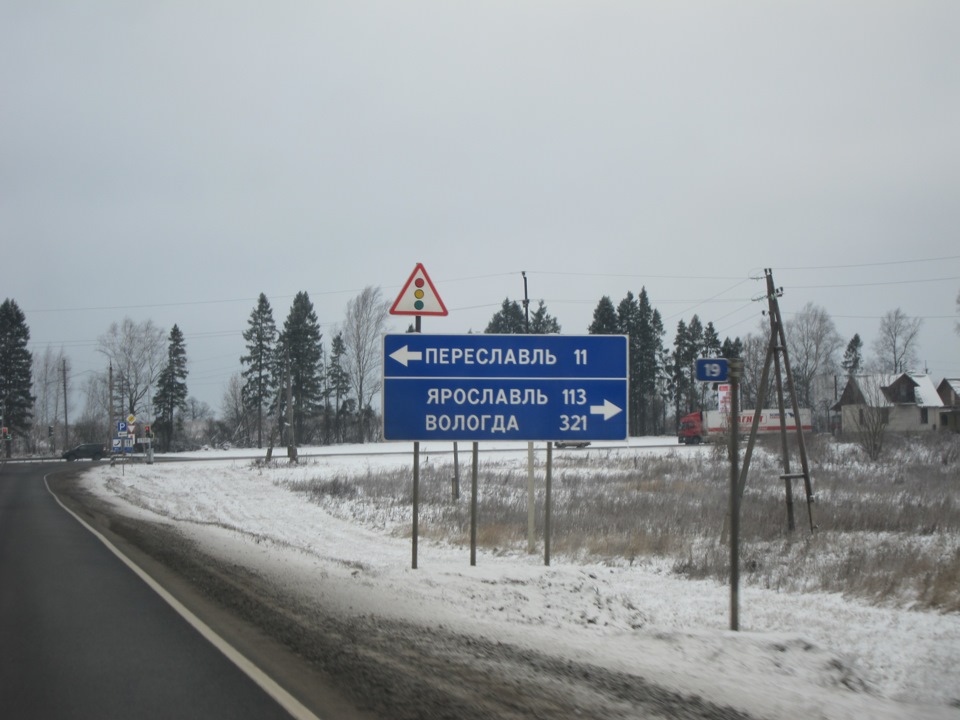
(82, 636)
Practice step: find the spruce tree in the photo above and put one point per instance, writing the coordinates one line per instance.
(712, 347)
(731, 349)
(852, 357)
(509, 319)
(338, 382)
(542, 322)
(604, 318)
(300, 349)
(171, 387)
(259, 381)
(629, 324)
(16, 370)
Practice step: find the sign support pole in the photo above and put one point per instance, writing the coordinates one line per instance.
(531, 503)
(473, 503)
(416, 487)
(416, 500)
(548, 508)
(736, 369)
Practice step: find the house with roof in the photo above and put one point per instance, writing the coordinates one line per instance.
(949, 392)
(907, 402)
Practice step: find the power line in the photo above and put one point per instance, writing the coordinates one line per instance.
(874, 284)
(872, 264)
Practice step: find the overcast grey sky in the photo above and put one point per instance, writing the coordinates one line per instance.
(172, 160)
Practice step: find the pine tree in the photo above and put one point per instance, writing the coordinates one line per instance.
(649, 340)
(681, 376)
(604, 318)
(711, 342)
(510, 319)
(171, 387)
(16, 369)
(259, 381)
(731, 348)
(300, 347)
(338, 382)
(629, 324)
(852, 357)
(542, 322)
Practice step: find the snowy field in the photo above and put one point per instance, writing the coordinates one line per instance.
(796, 655)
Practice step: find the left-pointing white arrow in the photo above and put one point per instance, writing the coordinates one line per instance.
(404, 355)
(608, 410)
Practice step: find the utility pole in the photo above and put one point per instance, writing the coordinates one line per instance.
(777, 348)
(66, 420)
(110, 415)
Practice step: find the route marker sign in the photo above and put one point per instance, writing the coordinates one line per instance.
(505, 387)
(712, 369)
(418, 296)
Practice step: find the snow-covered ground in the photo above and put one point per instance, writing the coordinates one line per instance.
(796, 655)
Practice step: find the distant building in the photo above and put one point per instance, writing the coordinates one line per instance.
(908, 402)
(949, 392)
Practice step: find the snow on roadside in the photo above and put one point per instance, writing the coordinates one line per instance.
(797, 655)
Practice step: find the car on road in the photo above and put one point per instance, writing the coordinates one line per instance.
(91, 451)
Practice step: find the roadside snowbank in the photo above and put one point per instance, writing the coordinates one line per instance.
(810, 655)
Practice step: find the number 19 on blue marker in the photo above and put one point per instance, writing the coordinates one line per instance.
(712, 369)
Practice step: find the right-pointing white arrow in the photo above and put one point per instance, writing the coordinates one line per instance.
(608, 410)
(404, 355)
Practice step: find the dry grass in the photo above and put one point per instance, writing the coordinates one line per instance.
(888, 531)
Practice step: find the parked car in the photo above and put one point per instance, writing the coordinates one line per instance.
(91, 451)
(571, 443)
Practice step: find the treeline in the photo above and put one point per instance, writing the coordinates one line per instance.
(662, 380)
(292, 388)
(663, 385)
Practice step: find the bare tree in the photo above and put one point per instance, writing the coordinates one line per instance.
(48, 393)
(896, 343)
(233, 411)
(957, 325)
(137, 352)
(367, 316)
(813, 343)
(753, 353)
(873, 414)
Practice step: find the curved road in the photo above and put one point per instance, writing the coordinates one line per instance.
(82, 636)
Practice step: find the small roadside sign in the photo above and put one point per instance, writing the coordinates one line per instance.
(418, 296)
(712, 369)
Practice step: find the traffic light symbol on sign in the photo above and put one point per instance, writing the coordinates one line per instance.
(418, 296)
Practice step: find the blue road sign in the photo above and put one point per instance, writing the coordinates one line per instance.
(712, 369)
(505, 387)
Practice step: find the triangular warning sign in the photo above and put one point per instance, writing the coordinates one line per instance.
(419, 296)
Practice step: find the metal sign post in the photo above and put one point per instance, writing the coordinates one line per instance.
(723, 370)
(503, 387)
(736, 371)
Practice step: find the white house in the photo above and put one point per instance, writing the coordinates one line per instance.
(909, 402)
